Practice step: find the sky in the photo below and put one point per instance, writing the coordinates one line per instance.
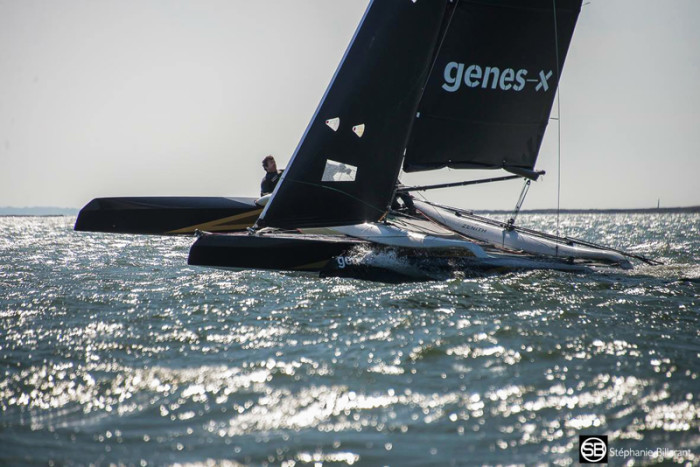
(174, 97)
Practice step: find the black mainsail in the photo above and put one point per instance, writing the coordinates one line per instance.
(345, 167)
(463, 84)
(488, 100)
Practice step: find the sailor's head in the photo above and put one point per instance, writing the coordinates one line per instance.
(269, 164)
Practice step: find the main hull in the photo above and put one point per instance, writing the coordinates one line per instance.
(280, 252)
(178, 215)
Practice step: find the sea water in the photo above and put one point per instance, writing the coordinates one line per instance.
(113, 350)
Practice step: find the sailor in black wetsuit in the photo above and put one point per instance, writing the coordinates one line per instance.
(406, 199)
(271, 177)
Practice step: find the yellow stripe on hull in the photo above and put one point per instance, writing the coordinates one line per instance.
(237, 222)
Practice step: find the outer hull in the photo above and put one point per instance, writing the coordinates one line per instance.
(284, 252)
(167, 215)
(530, 242)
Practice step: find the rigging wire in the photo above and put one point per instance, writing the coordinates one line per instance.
(556, 53)
(438, 49)
(430, 72)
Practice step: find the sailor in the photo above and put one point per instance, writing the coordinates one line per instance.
(271, 177)
(406, 199)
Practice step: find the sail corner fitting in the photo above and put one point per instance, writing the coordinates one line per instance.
(526, 173)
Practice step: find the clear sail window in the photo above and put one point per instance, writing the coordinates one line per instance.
(338, 172)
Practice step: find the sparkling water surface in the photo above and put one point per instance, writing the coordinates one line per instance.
(113, 350)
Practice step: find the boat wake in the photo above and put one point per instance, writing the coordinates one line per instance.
(380, 264)
(392, 265)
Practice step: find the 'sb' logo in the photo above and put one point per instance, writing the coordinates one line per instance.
(593, 449)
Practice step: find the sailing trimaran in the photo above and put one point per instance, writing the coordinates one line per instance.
(425, 84)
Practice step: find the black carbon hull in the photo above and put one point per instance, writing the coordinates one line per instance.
(167, 215)
(279, 252)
